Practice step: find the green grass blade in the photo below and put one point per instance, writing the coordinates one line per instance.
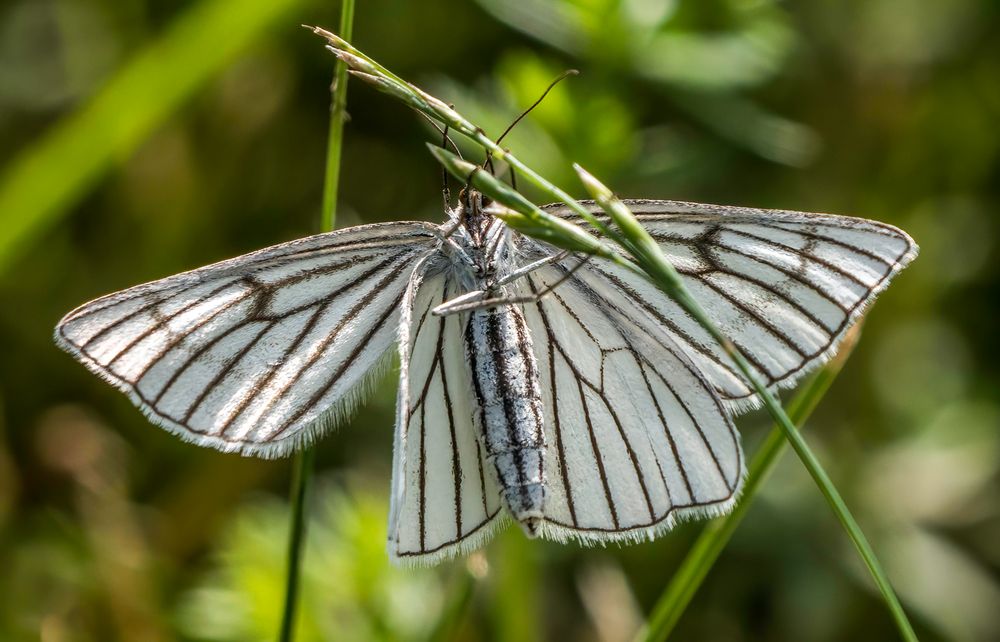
(713, 539)
(843, 514)
(301, 476)
(303, 466)
(338, 114)
(40, 184)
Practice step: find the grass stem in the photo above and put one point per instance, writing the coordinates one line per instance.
(713, 539)
(338, 114)
(303, 465)
(301, 475)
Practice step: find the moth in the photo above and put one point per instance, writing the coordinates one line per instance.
(554, 389)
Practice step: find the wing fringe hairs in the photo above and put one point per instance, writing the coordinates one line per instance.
(469, 544)
(331, 418)
(673, 518)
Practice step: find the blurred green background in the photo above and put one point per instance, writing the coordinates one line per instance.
(142, 138)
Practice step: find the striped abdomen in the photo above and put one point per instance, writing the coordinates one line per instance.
(509, 414)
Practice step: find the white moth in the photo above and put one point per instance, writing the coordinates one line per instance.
(568, 394)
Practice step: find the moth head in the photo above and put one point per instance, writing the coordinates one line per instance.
(472, 213)
(472, 200)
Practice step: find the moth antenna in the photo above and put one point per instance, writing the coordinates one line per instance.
(444, 133)
(445, 191)
(559, 78)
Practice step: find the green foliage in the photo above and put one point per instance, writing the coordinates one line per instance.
(349, 589)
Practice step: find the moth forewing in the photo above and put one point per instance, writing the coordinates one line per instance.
(260, 353)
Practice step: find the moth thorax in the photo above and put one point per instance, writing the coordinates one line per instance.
(474, 217)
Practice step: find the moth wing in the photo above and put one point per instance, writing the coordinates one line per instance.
(445, 498)
(259, 353)
(784, 286)
(636, 436)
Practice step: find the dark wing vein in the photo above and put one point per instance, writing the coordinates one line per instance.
(209, 326)
(559, 355)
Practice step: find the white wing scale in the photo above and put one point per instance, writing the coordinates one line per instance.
(445, 497)
(258, 353)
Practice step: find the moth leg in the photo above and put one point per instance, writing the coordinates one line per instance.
(461, 303)
(443, 234)
(477, 301)
(531, 267)
(480, 299)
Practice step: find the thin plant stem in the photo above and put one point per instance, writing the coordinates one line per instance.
(338, 113)
(644, 256)
(713, 539)
(303, 464)
(301, 476)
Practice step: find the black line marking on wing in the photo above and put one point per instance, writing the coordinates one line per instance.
(597, 453)
(219, 376)
(827, 239)
(392, 308)
(646, 366)
(422, 475)
(456, 464)
(166, 319)
(666, 431)
(629, 449)
(563, 472)
(807, 255)
(762, 323)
